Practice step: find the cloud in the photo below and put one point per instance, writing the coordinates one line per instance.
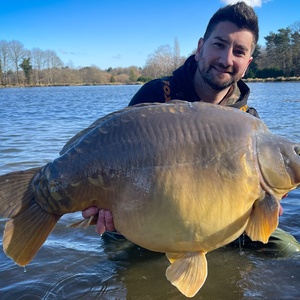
(252, 3)
(118, 56)
(64, 52)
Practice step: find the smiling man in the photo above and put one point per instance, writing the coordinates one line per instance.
(223, 59)
(213, 74)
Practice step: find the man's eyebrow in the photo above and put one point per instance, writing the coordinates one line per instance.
(224, 40)
(221, 39)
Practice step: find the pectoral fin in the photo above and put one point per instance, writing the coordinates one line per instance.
(188, 271)
(263, 219)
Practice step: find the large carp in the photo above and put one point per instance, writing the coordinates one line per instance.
(180, 178)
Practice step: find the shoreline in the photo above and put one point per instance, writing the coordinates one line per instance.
(276, 79)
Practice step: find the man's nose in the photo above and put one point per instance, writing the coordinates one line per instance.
(226, 58)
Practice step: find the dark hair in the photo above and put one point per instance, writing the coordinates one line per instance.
(240, 14)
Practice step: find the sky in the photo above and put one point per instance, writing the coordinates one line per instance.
(123, 33)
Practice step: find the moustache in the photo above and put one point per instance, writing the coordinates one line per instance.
(221, 68)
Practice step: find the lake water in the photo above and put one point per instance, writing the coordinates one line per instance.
(35, 123)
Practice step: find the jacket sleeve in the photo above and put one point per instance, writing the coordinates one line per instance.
(152, 91)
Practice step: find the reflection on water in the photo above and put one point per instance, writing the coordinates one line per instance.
(78, 264)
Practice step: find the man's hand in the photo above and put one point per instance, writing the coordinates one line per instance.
(105, 219)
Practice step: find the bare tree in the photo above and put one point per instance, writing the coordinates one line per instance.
(160, 63)
(176, 56)
(52, 63)
(295, 27)
(16, 52)
(93, 75)
(66, 76)
(38, 60)
(163, 61)
(5, 62)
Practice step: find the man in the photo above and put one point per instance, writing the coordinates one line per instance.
(212, 75)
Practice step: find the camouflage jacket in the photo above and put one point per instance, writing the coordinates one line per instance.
(180, 86)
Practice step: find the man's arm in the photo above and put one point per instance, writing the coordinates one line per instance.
(152, 91)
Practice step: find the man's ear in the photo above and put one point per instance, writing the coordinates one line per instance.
(249, 62)
(200, 44)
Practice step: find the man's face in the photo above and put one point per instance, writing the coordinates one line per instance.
(224, 57)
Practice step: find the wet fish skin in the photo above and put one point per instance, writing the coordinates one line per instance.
(180, 178)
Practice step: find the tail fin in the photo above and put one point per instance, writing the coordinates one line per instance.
(29, 225)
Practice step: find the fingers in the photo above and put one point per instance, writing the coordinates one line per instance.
(105, 221)
(109, 221)
(100, 226)
(93, 210)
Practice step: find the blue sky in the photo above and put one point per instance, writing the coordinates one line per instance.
(122, 33)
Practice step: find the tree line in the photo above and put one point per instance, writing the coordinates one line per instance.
(280, 57)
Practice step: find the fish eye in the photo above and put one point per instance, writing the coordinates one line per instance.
(297, 150)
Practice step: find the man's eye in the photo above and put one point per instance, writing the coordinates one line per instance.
(219, 45)
(239, 52)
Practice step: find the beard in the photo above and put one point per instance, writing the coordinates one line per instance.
(215, 81)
